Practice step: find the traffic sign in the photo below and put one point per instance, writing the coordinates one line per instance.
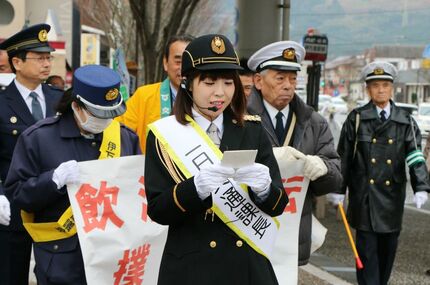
(316, 47)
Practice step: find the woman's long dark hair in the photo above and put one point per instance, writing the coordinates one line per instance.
(183, 102)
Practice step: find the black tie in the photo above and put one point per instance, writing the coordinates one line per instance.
(383, 118)
(279, 129)
(36, 109)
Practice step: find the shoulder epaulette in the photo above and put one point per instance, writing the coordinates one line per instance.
(252, 118)
(41, 123)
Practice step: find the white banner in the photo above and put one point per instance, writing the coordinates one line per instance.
(285, 254)
(121, 245)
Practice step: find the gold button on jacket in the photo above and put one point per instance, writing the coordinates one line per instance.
(239, 243)
(372, 181)
(212, 244)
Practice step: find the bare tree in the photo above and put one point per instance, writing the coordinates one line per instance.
(156, 21)
(115, 19)
(144, 26)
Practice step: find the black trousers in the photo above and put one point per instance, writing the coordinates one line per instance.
(377, 252)
(15, 254)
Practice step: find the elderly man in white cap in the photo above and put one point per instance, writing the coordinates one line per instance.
(289, 122)
(375, 143)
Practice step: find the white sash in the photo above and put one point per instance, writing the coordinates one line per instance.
(191, 148)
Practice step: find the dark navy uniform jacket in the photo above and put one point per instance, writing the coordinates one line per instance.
(15, 117)
(201, 249)
(38, 152)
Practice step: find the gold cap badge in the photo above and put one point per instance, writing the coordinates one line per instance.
(217, 45)
(378, 71)
(112, 94)
(289, 54)
(43, 36)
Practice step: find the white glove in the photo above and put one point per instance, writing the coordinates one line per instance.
(314, 166)
(256, 176)
(420, 198)
(293, 154)
(4, 210)
(210, 178)
(335, 198)
(66, 172)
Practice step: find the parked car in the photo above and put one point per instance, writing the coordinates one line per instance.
(323, 101)
(411, 108)
(338, 105)
(423, 117)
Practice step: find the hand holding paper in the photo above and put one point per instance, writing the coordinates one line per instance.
(210, 178)
(256, 176)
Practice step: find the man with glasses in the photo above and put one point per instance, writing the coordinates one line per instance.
(24, 102)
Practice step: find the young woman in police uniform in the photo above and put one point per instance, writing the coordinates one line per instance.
(202, 247)
(45, 161)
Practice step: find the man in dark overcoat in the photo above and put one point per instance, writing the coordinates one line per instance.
(375, 143)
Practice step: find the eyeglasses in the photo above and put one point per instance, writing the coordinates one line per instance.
(42, 58)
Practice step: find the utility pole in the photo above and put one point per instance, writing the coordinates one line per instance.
(261, 23)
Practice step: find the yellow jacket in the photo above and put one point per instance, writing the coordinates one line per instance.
(143, 108)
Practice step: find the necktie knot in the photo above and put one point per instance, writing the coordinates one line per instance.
(382, 114)
(33, 95)
(212, 132)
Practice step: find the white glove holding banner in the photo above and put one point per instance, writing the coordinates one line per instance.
(256, 176)
(4, 210)
(293, 154)
(66, 172)
(210, 178)
(314, 166)
(420, 198)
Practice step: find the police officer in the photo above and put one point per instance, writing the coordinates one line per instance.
(25, 101)
(289, 122)
(45, 160)
(375, 142)
(202, 248)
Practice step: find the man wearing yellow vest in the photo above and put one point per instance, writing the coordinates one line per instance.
(45, 161)
(154, 101)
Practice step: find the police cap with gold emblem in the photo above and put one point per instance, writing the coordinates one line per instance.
(34, 38)
(209, 52)
(98, 88)
(283, 55)
(379, 70)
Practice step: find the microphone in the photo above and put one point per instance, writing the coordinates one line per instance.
(183, 86)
